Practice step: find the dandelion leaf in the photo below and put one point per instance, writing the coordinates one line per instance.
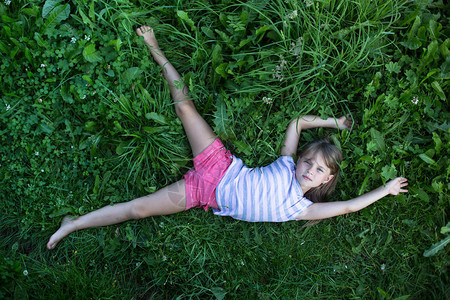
(378, 139)
(131, 74)
(435, 248)
(219, 293)
(427, 159)
(221, 120)
(90, 54)
(49, 5)
(58, 14)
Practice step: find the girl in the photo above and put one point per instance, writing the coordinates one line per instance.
(275, 193)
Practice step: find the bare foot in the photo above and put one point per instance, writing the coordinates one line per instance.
(67, 226)
(150, 40)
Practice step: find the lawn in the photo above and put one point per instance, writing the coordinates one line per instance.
(86, 120)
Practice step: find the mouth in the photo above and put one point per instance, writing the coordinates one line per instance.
(306, 178)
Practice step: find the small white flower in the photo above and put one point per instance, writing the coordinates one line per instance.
(86, 37)
(71, 147)
(84, 97)
(43, 65)
(293, 14)
(415, 100)
(36, 153)
(161, 225)
(42, 170)
(309, 3)
(8, 107)
(164, 258)
(25, 272)
(267, 100)
(40, 100)
(8, 2)
(73, 40)
(382, 267)
(242, 262)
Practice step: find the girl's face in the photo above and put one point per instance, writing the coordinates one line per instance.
(312, 171)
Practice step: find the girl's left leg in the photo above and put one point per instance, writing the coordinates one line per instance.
(169, 200)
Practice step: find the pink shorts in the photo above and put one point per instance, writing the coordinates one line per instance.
(201, 182)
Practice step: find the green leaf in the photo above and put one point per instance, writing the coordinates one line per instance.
(221, 120)
(427, 159)
(49, 5)
(131, 74)
(85, 18)
(184, 16)
(65, 94)
(219, 293)
(393, 67)
(58, 14)
(243, 147)
(435, 248)
(388, 172)
(221, 70)
(40, 41)
(156, 117)
(116, 44)
(445, 229)
(90, 54)
(437, 87)
(208, 32)
(378, 139)
(62, 212)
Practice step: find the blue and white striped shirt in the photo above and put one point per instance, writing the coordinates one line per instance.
(267, 194)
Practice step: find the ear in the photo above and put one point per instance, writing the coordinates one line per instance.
(328, 179)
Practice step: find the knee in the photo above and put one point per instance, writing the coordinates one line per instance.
(137, 211)
(184, 108)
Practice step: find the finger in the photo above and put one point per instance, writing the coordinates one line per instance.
(403, 191)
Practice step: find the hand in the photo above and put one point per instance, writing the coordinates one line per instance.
(395, 186)
(346, 122)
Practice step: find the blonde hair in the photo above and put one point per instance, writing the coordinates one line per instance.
(332, 157)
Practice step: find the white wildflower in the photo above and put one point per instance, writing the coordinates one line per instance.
(84, 97)
(8, 107)
(267, 100)
(36, 153)
(25, 272)
(40, 100)
(309, 3)
(42, 170)
(43, 65)
(86, 37)
(415, 100)
(383, 267)
(8, 2)
(293, 14)
(161, 225)
(73, 40)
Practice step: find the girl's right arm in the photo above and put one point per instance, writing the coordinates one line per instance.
(306, 122)
(325, 210)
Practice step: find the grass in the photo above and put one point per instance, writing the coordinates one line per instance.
(89, 122)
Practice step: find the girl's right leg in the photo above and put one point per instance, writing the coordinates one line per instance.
(169, 200)
(199, 133)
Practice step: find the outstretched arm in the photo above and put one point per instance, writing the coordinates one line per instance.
(306, 122)
(325, 210)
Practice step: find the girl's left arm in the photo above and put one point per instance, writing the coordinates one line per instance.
(325, 210)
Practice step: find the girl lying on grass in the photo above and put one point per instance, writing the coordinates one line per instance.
(279, 192)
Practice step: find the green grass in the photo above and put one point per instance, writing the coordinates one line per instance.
(89, 122)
